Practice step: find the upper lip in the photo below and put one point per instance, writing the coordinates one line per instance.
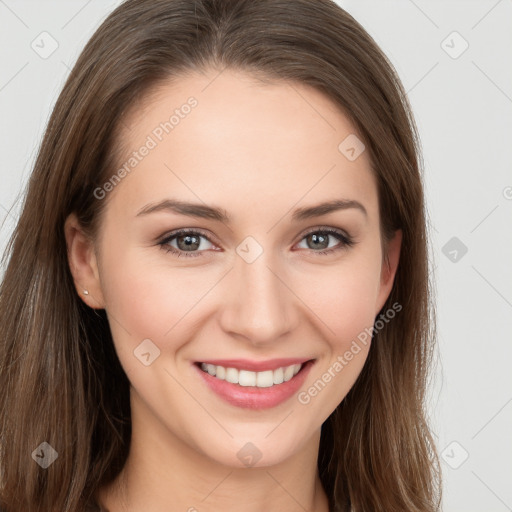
(256, 366)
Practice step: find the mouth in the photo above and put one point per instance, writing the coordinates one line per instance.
(244, 377)
(254, 385)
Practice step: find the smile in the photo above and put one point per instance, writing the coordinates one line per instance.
(254, 385)
(265, 379)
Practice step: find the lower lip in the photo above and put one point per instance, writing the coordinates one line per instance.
(252, 397)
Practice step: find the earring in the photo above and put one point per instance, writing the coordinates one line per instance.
(86, 292)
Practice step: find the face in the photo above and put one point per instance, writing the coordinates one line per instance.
(257, 280)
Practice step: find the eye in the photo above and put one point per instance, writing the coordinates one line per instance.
(186, 242)
(192, 243)
(321, 238)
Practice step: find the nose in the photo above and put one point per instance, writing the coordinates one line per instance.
(258, 306)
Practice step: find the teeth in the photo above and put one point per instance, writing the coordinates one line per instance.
(278, 376)
(246, 378)
(231, 375)
(265, 379)
(220, 372)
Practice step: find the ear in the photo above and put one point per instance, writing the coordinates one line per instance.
(83, 264)
(389, 266)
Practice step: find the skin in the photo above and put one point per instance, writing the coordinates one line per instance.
(259, 151)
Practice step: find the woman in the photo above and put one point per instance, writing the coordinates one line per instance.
(217, 293)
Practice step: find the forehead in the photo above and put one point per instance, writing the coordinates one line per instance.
(218, 136)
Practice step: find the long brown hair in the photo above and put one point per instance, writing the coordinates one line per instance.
(61, 381)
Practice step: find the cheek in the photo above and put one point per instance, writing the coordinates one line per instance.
(147, 299)
(349, 314)
(343, 298)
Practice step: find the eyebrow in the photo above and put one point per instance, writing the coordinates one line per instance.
(219, 214)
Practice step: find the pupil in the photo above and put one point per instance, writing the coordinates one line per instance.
(190, 242)
(323, 240)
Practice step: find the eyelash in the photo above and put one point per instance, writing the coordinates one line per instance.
(346, 241)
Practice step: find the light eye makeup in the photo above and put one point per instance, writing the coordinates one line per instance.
(195, 238)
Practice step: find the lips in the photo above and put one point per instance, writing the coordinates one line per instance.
(254, 384)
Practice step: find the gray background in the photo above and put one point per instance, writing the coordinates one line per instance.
(463, 106)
